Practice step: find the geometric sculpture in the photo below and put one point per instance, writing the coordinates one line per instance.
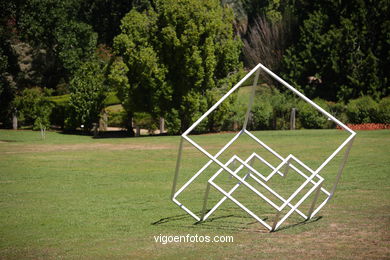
(314, 180)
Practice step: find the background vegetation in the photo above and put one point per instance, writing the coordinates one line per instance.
(173, 59)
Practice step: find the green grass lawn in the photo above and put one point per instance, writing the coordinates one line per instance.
(72, 196)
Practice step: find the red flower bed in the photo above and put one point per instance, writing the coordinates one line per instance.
(368, 126)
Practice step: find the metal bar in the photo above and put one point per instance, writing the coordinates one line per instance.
(281, 158)
(297, 205)
(320, 109)
(341, 167)
(237, 170)
(320, 206)
(221, 100)
(248, 163)
(335, 152)
(206, 196)
(177, 168)
(186, 209)
(251, 98)
(207, 164)
(275, 220)
(287, 167)
(241, 206)
(314, 201)
(224, 198)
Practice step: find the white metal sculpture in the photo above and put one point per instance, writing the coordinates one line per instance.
(314, 179)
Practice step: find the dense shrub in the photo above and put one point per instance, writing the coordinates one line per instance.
(262, 113)
(236, 114)
(34, 108)
(111, 99)
(338, 110)
(384, 111)
(309, 117)
(116, 118)
(362, 110)
(173, 122)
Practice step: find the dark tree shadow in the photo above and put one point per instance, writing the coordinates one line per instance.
(108, 134)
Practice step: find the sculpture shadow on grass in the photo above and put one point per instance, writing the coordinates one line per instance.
(232, 222)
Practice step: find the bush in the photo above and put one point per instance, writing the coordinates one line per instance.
(384, 111)
(262, 112)
(34, 108)
(338, 110)
(87, 95)
(362, 110)
(111, 99)
(116, 119)
(173, 122)
(310, 118)
(282, 105)
(236, 113)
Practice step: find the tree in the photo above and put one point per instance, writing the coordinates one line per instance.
(342, 51)
(173, 54)
(87, 95)
(34, 108)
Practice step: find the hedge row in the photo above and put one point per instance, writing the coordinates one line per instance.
(271, 110)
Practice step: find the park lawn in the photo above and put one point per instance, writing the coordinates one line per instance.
(72, 196)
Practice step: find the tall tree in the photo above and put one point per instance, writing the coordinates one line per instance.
(173, 54)
(87, 95)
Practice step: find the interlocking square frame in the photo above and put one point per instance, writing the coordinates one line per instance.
(287, 163)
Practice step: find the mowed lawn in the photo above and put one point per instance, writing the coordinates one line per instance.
(72, 196)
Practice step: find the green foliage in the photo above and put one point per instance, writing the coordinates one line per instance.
(309, 117)
(216, 120)
(111, 99)
(76, 42)
(236, 113)
(146, 121)
(338, 109)
(362, 110)
(87, 95)
(172, 55)
(262, 113)
(58, 28)
(34, 108)
(384, 110)
(173, 122)
(341, 50)
(116, 118)
(270, 9)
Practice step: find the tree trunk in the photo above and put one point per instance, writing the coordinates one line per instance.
(162, 125)
(129, 124)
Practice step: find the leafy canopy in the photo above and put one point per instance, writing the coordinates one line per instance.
(172, 54)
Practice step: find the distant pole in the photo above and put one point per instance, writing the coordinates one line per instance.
(162, 125)
(292, 119)
(14, 120)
